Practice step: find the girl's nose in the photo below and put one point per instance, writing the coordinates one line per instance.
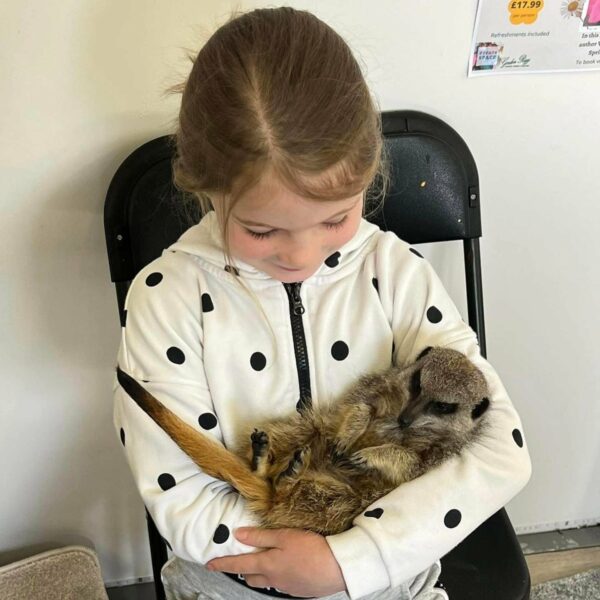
(299, 253)
(295, 260)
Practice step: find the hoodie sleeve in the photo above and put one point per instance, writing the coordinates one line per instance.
(422, 520)
(162, 348)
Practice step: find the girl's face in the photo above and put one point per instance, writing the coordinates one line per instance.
(287, 236)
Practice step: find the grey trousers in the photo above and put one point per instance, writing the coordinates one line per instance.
(185, 580)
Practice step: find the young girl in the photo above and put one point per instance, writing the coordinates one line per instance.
(280, 297)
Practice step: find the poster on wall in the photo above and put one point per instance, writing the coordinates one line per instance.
(535, 36)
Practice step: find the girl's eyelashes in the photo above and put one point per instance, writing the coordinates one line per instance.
(260, 236)
(266, 234)
(337, 224)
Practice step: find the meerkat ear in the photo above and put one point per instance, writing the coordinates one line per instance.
(415, 383)
(425, 352)
(480, 408)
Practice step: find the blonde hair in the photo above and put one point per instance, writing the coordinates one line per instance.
(276, 88)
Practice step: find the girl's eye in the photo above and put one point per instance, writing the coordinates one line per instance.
(261, 236)
(337, 224)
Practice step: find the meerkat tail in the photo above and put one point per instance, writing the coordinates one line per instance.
(213, 458)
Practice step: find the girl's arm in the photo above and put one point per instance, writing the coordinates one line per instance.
(422, 520)
(161, 347)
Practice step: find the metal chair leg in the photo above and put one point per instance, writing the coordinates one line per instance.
(158, 553)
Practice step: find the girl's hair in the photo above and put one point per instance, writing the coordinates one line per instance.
(277, 89)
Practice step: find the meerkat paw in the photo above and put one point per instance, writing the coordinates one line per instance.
(361, 458)
(260, 449)
(393, 462)
(296, 465)
(260, 441)
(356, 460)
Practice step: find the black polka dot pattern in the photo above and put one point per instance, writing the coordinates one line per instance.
(333, 260)
(175, 355)
(207, 421)
(207, 304)
(452, 518)
(166, 481)
(339, 350)
(258, 361)
(517, 437)
(153, 279)
(434, 315)
(221, 534)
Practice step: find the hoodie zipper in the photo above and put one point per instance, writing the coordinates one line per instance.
(296, 312)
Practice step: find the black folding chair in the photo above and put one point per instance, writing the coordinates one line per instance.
(433, 197)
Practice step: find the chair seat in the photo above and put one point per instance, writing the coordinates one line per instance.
(491, 559)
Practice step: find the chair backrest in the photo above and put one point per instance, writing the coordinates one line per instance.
(433, 196)
(434, 192)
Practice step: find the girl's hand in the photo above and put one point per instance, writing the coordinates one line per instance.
(294, 561)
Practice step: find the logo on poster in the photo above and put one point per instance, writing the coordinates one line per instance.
(487, 55)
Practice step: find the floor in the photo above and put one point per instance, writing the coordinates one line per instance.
(551, 555)
(561, 553)
(139, 591)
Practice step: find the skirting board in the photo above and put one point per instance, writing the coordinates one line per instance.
(132, 581)
(542, 527)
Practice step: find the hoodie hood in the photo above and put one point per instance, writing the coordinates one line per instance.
(204, 241)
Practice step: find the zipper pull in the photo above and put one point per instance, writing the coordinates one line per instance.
(296, 300)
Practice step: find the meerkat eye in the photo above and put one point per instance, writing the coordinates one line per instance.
(443, 408)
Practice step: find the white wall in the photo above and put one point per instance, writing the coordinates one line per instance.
(82, 85)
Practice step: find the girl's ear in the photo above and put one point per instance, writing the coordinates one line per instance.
(480, 408)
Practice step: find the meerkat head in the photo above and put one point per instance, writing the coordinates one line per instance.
(446, 391)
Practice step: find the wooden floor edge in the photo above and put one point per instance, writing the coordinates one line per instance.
(548, 566)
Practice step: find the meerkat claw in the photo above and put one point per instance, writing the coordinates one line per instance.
(260, 441)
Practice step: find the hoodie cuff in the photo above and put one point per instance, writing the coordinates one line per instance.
(360, 561)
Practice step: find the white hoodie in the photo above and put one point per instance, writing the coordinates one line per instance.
(197, 341)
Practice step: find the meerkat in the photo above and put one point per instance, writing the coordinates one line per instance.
(319, 469)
